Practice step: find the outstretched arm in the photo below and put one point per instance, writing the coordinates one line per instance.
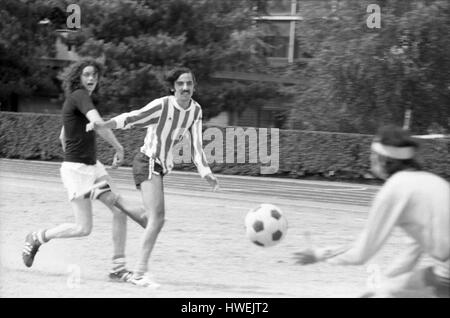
(101, 125)
(107, 134)
(383, 216)
(140, 118)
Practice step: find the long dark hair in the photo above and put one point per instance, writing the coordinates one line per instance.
(397, 137)
(72, 75)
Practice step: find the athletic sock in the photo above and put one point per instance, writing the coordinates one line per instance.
(40, 236)
(118, 263)
(141, 269)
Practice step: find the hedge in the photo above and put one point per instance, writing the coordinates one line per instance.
(302, 154)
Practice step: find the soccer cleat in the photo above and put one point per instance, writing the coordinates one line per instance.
(30, 249)
(143, 281)
(122, 275)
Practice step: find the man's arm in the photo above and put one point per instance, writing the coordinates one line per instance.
(383, 217)
(140, 118)
(108, 135)
(62, 137)
(198, 155)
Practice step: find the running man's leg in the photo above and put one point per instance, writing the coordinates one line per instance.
(119, 224)
(153, 198)
(77, 179)
(109, 196)
(82, 227)
(106, 193)
(83, 222)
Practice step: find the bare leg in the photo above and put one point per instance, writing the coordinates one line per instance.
(115, 202)
(82, 209)
(153, 199)
(137, 214)
(83, 222)
(119, 224)
(410, 284)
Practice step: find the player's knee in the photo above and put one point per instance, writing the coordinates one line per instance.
(159, 221)
(109, 198)
(84, 230)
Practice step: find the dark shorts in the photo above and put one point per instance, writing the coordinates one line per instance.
(144, 167)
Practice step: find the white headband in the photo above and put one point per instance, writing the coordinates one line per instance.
(401, 153)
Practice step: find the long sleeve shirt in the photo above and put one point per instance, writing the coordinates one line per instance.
(167, 123)
(419, 203)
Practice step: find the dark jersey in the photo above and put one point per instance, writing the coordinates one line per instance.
(80, 145)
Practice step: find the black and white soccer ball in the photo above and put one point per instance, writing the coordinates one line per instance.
(266, 225)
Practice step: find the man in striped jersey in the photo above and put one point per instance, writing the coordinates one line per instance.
(167, 120)
(416, 201)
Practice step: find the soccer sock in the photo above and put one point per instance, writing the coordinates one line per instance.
(118, 263)
(141, 269)
(40, 236)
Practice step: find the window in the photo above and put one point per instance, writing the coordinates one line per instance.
(277, 35)
(275, 7)
(277, 19)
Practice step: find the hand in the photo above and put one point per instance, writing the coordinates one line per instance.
(118, 159)
(306, 257)
(314, 255)
(213, 182)
(96, 125)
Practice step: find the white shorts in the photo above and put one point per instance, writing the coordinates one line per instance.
(78, 178)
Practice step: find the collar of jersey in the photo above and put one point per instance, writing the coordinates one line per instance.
(173, 100)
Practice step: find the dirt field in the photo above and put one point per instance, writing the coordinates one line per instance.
(201, 252)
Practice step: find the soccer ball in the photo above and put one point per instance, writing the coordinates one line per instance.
(266, 225)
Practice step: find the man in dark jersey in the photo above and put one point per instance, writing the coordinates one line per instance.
(84, 177)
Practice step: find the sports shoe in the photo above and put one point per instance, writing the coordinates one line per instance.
(122, 275)
(30, 248)
(143, 281)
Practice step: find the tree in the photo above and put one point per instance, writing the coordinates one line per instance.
(360, 78)
(141, 40)
(21, 41)
(138, 40)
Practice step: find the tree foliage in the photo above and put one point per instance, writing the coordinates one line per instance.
(360, 78)
(21, 39)
(355, 79)
(141, 40)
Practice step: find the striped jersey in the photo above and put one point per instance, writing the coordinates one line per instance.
(167, 122)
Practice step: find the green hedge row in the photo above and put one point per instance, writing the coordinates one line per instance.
(302, 154)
